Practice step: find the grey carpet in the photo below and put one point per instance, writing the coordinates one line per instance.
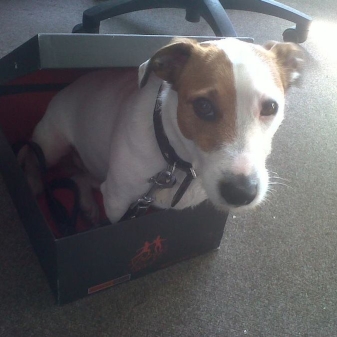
(275, 274)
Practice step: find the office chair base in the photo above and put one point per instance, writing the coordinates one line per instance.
(213, 11)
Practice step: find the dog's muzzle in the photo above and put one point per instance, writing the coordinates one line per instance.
(239, 190)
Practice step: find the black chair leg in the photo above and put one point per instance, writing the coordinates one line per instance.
(215, 15)
(298, 34)
(93, 16)
(210, 10)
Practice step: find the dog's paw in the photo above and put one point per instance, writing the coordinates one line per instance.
(88, 204)
(91, 213)
(31, 167)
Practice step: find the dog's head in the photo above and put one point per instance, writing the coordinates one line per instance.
(228, 99)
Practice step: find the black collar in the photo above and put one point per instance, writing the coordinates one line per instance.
(168, 152)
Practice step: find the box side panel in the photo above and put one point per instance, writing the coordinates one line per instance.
(70, 51)
(21, 61)
(29, 212)
(99, 50)
(109, 255)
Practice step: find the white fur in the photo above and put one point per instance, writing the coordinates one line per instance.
(108, 120)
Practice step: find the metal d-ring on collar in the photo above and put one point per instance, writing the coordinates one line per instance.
(166, 178)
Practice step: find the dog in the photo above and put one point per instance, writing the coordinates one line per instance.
(221, 103)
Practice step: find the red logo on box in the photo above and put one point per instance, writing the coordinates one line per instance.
(148, 254)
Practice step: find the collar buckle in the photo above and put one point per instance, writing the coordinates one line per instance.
(163, 179)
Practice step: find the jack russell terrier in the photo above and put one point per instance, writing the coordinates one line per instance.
(219, 105)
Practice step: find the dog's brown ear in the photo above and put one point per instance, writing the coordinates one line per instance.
(290, 59)
(167, 62)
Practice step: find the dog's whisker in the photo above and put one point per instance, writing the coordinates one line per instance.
(265, 201)
(273, 172)
(270, 191)
(270, 195)
(281, 178)
(278, 183)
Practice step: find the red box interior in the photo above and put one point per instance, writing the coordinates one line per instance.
(20, 112)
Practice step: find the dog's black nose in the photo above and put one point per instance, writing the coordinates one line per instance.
(239, 190)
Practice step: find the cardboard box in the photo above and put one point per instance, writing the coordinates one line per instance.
(94, 259)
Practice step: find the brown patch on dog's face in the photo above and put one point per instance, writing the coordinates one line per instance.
(207, 77)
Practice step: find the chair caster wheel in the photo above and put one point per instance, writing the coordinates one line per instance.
(91, 30)
(78, 29)
(296, 34)
(290, 35)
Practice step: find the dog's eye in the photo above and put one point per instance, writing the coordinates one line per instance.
(203, 108)
(269, 108)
